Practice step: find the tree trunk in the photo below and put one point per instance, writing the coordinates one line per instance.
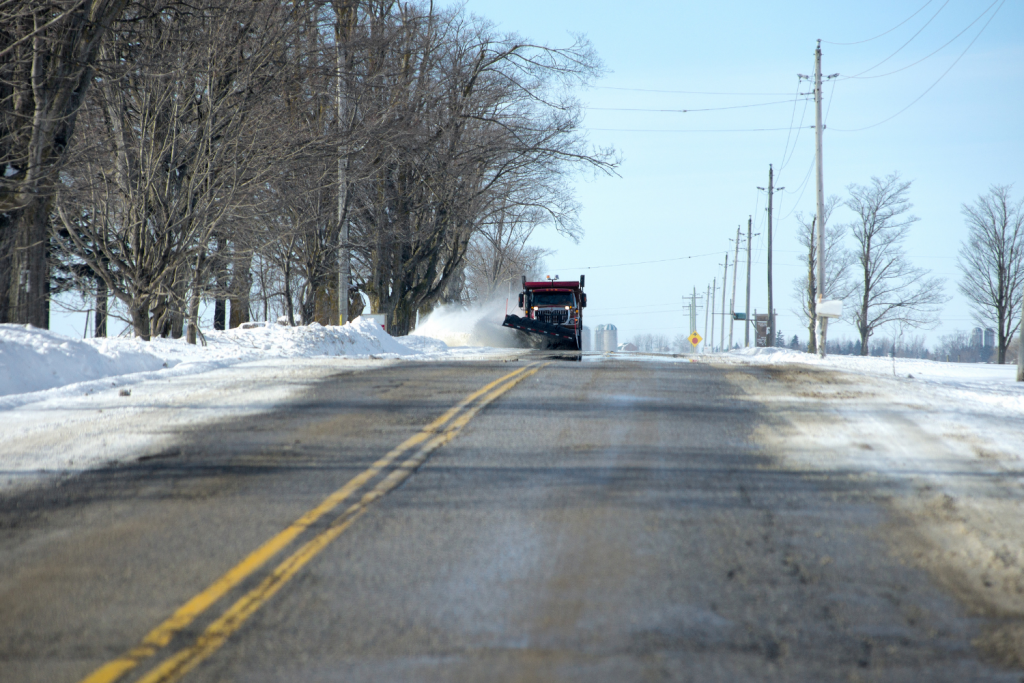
(1001, 340)
(6, 249)
(56, 70)
(355, 304)
(289, 304)
(812, 338)
(29, 274)
(100, 321)
(1020, 346)
(241, 285)
(140, 321)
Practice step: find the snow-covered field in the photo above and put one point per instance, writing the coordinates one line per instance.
(70, 404)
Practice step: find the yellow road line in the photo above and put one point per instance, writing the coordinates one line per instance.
(217, 633)
(187, 613)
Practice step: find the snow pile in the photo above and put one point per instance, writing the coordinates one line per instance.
(33, 359)
(473, 326)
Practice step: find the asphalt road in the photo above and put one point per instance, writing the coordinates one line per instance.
(578, 521)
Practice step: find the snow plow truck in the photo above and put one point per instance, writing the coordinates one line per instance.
(552, 313)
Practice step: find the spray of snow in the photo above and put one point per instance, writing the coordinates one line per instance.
(478, 325)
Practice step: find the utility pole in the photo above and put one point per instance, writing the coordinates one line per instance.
(746, 323)
(771, 306)
(714, 290)
(341, 34)
(820, 324)
(693, 311)
(725, 278)
(707, 309)
(732, 302)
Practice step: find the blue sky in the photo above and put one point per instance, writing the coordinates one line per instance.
(684, 193)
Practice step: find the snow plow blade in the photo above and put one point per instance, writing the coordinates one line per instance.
(555, 336)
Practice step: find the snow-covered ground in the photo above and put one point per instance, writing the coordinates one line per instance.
(941, 444)
(70, 404)
(34, 360)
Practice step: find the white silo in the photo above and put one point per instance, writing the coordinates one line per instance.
(610, 340)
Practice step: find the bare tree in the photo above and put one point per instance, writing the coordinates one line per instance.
(48, 50)
(837, 266)
(475, 112)
(182, 130)
(992, 262)
(888, 287)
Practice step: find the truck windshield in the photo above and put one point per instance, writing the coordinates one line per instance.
(553, 299)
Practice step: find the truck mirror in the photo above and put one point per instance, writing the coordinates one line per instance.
(521, 300)
(524, 281)
(584, 302)
(582, 280)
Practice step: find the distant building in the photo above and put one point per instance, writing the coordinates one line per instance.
(990, 337)
(610, 338)
(977, 337)
(606, 338)
(628, 347)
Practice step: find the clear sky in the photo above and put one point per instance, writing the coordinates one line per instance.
(683, 194)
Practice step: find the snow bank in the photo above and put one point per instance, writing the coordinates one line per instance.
(33, 359)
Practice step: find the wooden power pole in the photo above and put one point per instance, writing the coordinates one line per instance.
(732, 302)
(746, 323)
(725, 279)
(714, 290)
(771, 304)
(820, 324)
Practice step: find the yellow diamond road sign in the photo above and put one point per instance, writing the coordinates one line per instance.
(695, 338)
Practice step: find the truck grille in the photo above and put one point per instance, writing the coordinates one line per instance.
(555, 316)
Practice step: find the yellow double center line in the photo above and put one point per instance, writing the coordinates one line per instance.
(436, 434)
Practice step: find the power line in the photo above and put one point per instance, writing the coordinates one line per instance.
(687, 111)
(854, 130)
(792, 117)
(687, 130)
(908, 42)
(807, 176)
(859, 42)
(636, 263)
(942, 47)
(803, 188)
(689, 92)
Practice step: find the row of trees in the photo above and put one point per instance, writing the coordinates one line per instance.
(300, 156)
(883, 288)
